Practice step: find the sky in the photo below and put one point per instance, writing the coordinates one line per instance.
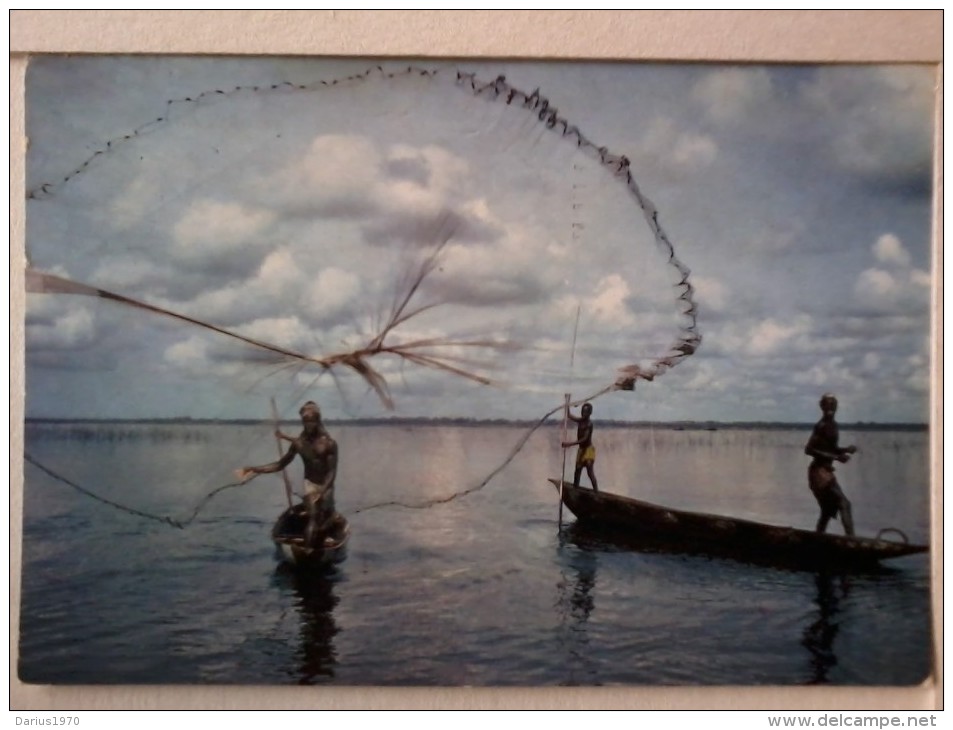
(798, 197)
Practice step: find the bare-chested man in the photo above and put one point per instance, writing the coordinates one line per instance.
(586, 455)
(319, 452)
(823, 447)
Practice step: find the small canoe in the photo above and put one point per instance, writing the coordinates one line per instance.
(647, 526)
(288, 536)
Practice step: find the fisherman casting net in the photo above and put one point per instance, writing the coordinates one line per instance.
(409, 238)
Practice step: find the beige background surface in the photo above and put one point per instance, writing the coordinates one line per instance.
(686, 35)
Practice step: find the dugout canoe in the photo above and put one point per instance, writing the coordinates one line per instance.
(290, 545)
(645, 526)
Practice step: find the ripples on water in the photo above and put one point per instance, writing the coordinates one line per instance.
(481, 591)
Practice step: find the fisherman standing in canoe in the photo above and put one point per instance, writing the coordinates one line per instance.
(586, 455)
(823, 447)
(319, 452)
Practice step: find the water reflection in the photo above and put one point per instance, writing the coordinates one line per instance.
(575, 602)
(315, 602)
(818, 637)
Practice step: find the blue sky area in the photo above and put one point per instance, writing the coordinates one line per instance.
(798, 196)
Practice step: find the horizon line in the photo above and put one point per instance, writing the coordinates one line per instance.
(465, 420)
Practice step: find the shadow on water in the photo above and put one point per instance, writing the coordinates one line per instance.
(818, 637)
(574, 604)
(842, 603)
(315, 601)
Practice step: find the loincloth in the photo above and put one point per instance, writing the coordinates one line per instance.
(824, 486)
(585, 455)
(318, 497)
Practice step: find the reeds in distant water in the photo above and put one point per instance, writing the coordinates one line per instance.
(107, 433)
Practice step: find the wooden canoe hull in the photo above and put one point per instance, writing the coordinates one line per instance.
(288, 536)
(652, 527)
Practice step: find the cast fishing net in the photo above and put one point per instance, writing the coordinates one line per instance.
(409, 238)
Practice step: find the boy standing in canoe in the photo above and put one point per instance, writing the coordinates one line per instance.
(586, 455)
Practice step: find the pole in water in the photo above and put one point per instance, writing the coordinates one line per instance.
(563, 477)
(572, 362)
(284, 474)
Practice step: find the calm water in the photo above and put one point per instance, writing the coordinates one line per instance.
(483, 590)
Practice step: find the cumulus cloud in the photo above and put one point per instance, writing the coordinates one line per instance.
(511, 271)
(320, 295)
(888, 291)
(427, 228)
(286, 226)
(877, 284)
(288, 330)
(125, 272)
(779, 361)
(240, 262)
(894, 286)
(269, 289)
(211, 355)
(826, 374)
(610, 302)
(134, 201)
(410, 166)
(729, 95)
(190, 354)
(711, 294)
(429, 206)
(889, 250)
(917, 372)
(331, 295)
(879, 121)
(706, 377)
(224, 237)
(478, 222)
(675, 151)
(70, 328)
(397, 195)
(216, 227)
(62, 330)
(693, 151)
(349, 176)
(438, 169)
(770, 335)
(71, 333)
(332, 178)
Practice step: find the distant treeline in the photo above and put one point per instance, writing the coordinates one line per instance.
(116, 431)
(475, 422)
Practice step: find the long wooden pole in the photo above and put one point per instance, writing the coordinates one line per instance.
(562, 479)
(572, 361)
(284, 474)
